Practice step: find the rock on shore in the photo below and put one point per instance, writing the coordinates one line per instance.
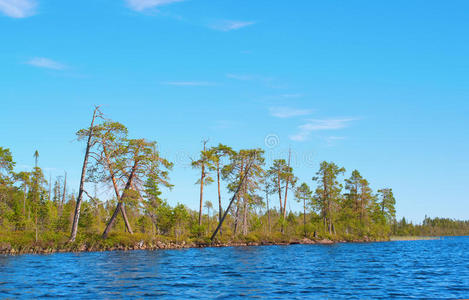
(6, 248)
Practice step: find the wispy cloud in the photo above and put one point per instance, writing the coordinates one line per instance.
(142, 5)
(188, 83)
(228, 25)
(249, 77)
(42, 62)
(18, 8)
(311, 125)
(288, 112)
(270, 82)
(240, 76)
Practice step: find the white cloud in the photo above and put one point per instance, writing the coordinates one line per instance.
(188, 83)
(18, 8)
(240, 76)
(248, 77)
(42, 62)
(288, 112)
(270, 82)
(228, 25)
(141, 5)
(299, 137)
(311, 125)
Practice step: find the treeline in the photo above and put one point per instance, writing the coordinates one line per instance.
(137, 175)
(432, 227)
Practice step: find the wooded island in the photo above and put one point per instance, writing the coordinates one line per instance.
(39, 215)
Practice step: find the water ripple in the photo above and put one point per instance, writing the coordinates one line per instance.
(402, 270)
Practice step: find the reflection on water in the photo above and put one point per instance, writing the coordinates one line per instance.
(422, 269)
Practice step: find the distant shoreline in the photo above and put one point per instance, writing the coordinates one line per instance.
(413, 238)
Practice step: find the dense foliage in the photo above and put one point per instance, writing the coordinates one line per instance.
(432, 227)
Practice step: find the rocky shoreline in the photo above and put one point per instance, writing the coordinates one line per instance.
(7, 249)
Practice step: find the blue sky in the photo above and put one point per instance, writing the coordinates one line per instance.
(382, 87)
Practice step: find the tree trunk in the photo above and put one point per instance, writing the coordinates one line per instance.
(304, 215)
(286, 188)
(202, 176)
(50, 187)
(231, 202)
(268, 210)
(24, 200)
(241, 174)
(236, 216)
(76, 217)
(116, 188)
(220, 210)
(119, 204)
(208, 219)
(285, 201)
(245, 216)
(111, 221)
(280, 193)
(126, 220)
(36, 226)
(61, 203)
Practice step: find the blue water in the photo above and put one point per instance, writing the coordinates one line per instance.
(414, 269)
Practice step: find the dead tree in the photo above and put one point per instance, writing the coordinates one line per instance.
(76, 216)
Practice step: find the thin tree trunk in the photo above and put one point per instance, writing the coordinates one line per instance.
(220, 210)
(238, 200)
(304, 215)
(236, 216)
(286, 188)
(50, 187)
(36, 226)
(268, 210)
(201, 193)
(202, 177)
(24, 200)
(280, 193)
(245, 216)
(126, 220)
(61, 203)
(76, 216)
(325, 203)
(119, 204)
(111, 221)
(208, 219)
(116, 188)
(245, 209)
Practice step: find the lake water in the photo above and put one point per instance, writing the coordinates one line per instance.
(418, 269)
